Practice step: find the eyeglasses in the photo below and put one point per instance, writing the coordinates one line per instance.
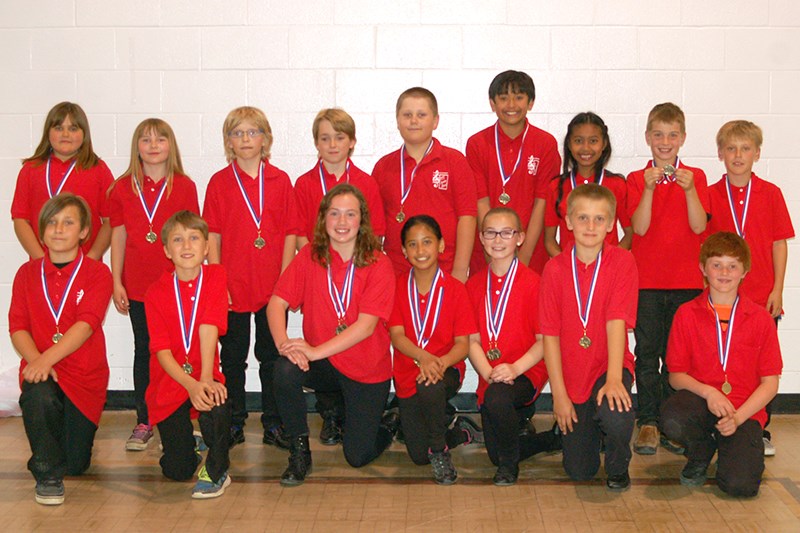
(238, 134)
(505, 234)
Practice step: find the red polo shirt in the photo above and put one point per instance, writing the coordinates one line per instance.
(453, 322)
(308, 191)
(164, 395)
(521, 324)
(304, 285)
(82, 375)
(540, 161)
(145, 261)
(669, 234)
(252, 273)
(615, 298)
(443, 188)
(767, 221)
(89, 183)
(754, 352)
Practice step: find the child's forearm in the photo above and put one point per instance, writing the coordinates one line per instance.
(697, 215)
(102, 241)
(214, 248)
(616, 332)
(760, 397)
(779, 258)
(533, 231)
(356, 332)
(627, 238)
(173, 369)
(530, 358)
(643, 214)
(209, 335)
(276, 319)
(27, 238)
(465, 238)
(73, 339)
(683, 381)
(24, 345)
(301, 241)
(550, 245)
(405, 346)
(552, 360)
(483, 208)
(458, 352)
(477, 357)
(119, 237)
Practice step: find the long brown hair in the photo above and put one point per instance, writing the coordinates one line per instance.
(367, 244)
(174, 163)
(86, 157)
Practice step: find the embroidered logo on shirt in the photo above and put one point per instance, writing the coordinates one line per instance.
(533, 165)
(440, 180)
(80, 297)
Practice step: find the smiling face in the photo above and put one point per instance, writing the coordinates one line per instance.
(665, 140)
(511, 108)
(495, 226)
(422, 247)
(724, 274)
(416, 120)
(153, 148)
(66, 139)
(186, 248)
(342, 221)
(590, 220)
(334, 147)
(586, 144)
(739, 155)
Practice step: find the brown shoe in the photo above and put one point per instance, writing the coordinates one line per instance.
(647, 441)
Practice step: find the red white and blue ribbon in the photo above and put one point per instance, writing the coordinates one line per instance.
(405, 186)
(322, 176)
(150, 213)
(585, 310)
(507, 177)
(187, 329)
(256, 218)
(668, 179)
(739, 223)
(341, 300)
(723, 348)
(496, 315)
(57, 312)
(61, 183)
(421, 323)
(575, 184)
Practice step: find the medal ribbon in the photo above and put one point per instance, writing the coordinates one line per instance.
(736, 221)
(507, 177)
(322, 176)
(724, 348)
(147, 211)
(405, 188)
(186, 331)
(421, 324)
(664, 178)
(496, 316)
(584, 311)
(53, 311)
(574, 184)
(256, 219)
(63, 180)
(341, 300)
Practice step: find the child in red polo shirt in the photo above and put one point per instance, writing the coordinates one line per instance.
(587, 302)
(58, 304)
(345, 287)
(186, 312)
(507, 354)
(430, 334)
(425, 177)
(250, 210)
(587, 149)
(742, 202)
(725, 363)
(63, 161)
(513, 161)
(668, 205)
(140, 201)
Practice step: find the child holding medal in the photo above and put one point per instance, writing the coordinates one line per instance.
(430, 334)
(587, 150)
(58, 304)
(507, 352)
(725, 363)
(63, 161)
(345, 287)
(250, 210)
(140, 201)
(186, 312)
(587, 302)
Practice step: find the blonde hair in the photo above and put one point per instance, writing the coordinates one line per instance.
(86, 157)
(250, 114)
(418, 92)
(592, 191)
(341, 121)
(667, 113)
(739, 129)
(184, 218)
(174, 164)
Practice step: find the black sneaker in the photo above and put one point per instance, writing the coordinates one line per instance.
(274, 437)
(391, 421)
(444, 473)
(299, 462)
(331, 433)
(236, 436)
(694, 474)
(50, 492)
(619, 483)
(506, 476)
(471, 428)
(672, 446)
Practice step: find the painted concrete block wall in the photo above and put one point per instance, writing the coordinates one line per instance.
(190, 62)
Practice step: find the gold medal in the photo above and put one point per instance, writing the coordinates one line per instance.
(259, 242)
(585, 342)
(726, 387)
(57, 337)
(669, 170)
(151, 237)
(504, 198)
(400, 217)
(493, 354)
(187, 368)
(340, 328)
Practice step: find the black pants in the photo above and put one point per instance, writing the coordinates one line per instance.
(141, 359)
(685, 418)
(425, 417)
(364, 438)
(180, 459)
(654, 317)
(233, 357)
(61, 438)
(582, 445)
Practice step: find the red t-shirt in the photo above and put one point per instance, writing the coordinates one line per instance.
(304, 285)
(615, 298)
(164, 395)
(614, 182)
(91, 184)
(145, 261)
(540, 161)
(308, 191)
(252, 272)
(443, 188)
(453, 322)
(520, 326)
(767, 221)
(82, 375)
(669, 234)
(754, 351)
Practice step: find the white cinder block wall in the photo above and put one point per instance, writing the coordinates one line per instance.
(191, 61)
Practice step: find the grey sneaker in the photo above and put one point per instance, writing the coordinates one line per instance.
(50, 492)
(205, 488)
(443, 470)
(140, 438)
